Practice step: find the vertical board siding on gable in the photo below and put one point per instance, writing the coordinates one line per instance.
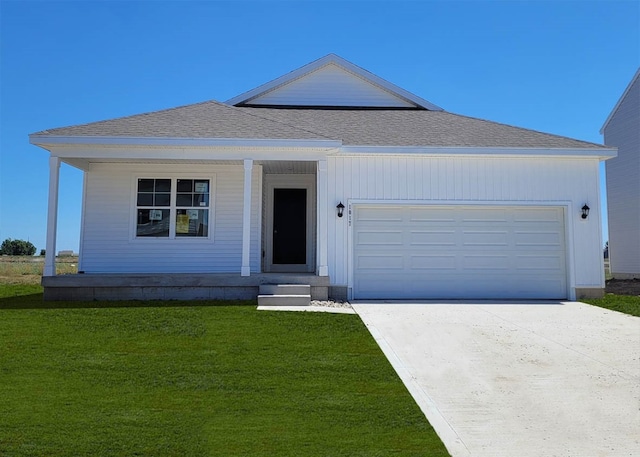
(108, 246)
(464, 179)
(623, 184)
(330, 86)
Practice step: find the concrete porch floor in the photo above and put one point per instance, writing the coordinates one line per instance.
(173, 286)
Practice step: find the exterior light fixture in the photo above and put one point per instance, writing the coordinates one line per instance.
(340, 209)
(585, 211)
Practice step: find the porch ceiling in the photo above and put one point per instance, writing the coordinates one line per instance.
(288, 167)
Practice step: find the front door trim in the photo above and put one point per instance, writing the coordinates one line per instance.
(294, 181)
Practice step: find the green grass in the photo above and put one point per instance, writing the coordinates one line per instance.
(186, 380)
(628, 304)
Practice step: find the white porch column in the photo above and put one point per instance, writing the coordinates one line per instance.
(52, 217)
(323, 214)
(246, 220)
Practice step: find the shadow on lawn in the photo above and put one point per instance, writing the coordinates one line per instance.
(36, 301)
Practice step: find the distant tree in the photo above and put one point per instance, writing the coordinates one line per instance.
(17, 247)
(43, 252)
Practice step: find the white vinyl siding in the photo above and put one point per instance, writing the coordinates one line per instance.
(109, 244)
(330, 86)
(433, 251)
(561, 182)
(623, 184)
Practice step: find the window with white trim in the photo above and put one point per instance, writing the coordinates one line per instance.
(172, 208)
(192, 207)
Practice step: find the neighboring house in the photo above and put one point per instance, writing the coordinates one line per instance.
(212, 199)
(622, 130)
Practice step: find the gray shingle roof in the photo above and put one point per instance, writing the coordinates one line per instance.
(209, 119)
(354, 127)
(415, 128)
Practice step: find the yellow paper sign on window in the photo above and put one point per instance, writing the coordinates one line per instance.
(182, 225)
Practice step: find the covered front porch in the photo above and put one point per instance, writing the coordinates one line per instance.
(250, 218)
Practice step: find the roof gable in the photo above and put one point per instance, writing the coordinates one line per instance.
(621, 100)
(333, 82)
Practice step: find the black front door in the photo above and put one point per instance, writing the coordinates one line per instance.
(289, 226)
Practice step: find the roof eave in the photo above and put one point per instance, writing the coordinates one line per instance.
(46, 141)
(602, 153)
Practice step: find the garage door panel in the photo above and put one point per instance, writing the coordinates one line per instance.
(432, 238)
(432, 215)
(536, 215)
(380, 237)
(380, 262)
(375, 215)
(485, 238)
(374, 289)
(432, 262)
(538, 238)
(459, 252)
(485, 262)
(552, 262)
(547, 288)
(485, 216)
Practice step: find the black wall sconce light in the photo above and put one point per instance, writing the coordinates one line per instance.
(340, 209)
(585, 211)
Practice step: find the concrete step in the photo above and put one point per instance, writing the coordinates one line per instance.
(284, 295)
(285, 289)
(284, 300)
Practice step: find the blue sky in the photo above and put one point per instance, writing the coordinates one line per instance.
(553, 66)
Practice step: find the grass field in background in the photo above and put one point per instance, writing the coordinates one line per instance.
(28, 270)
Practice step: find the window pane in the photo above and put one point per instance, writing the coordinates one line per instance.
(153, 223)
(184, 200)
(163, 200)
(201, 200)
(145, 185)
(192, 222)
(185, 185)
(145, 199)
(201, 186)
(163, 185)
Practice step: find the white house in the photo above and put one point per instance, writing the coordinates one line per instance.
(212, 199)
(622, 130)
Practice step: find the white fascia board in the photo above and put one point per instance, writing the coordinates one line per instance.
(601, 153)
(114, 153)
(339, 61)
(47, 141)
(620, 100)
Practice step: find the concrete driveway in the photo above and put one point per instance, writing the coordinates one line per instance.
(517, 379)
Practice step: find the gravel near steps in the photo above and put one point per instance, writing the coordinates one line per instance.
(330, 303)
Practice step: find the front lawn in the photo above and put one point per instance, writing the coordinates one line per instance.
(185, 380)
(628, 304)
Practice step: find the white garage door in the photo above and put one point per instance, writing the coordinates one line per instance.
(459, 252)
